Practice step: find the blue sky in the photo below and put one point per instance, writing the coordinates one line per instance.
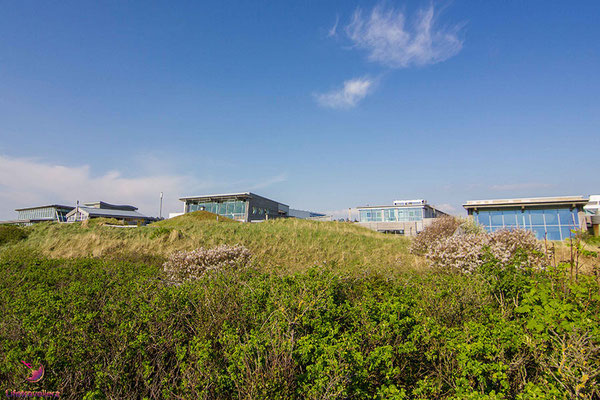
(320, 105)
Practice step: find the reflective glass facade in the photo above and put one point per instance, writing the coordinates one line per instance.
(399, 214)
(553, 223)
(234, 209)
(44, 213)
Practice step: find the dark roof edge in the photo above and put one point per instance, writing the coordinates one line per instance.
(52, 205)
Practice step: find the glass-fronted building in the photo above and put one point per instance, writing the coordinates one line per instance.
(245, 207)
(407, 217)
(548, 217)
(100, 209)
(32, 215)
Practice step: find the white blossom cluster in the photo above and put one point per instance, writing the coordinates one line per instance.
(466, 253)
(183, 266)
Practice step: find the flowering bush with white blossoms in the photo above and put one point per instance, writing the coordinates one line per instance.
(462, 253)
(506, 244)
(440, 228)
(465, 253)
(183, 266)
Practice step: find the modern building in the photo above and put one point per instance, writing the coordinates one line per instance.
(404, 217)
(245, 207)
(293, 213)
(548, 217)
(33, 215)
(98, 209)
(592, 214)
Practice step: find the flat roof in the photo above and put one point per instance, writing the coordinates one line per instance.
(527, 201)
(400, 206)
(243, 195)
(48, 206)
(106, 212)
(108, 206)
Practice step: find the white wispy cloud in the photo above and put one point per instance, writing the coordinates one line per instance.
(269, 182)
(391, 40)
(333, 30)
(448, 208)
(29, 182)
(348, 96)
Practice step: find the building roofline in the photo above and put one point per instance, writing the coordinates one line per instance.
(399, 206)
(526, 201)
(109, 213)
(51, 205)
(108, 206)
(226, 195)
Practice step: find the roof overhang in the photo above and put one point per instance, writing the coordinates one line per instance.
(398, 206)
(48, 206)
(224, 196)
(571, 201)
(227, 196)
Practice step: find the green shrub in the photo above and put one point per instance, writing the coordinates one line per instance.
(11, 234)
(107, 329)
(159, 231)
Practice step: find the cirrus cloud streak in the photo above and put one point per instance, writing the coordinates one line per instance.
(348, 96)
(390, 40)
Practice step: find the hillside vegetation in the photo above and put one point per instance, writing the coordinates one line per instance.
(495, 316)
(289, 244)
(107, 329)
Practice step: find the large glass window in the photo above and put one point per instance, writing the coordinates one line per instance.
(537, 217)
(553, 232)
(496, 218)
(232, 209)
(483, 218)
(510, 218)
(539, 232)
(551, 216)
(553, 223)
(566, 217)
(565, 232)
(389, 215)
(524, 220)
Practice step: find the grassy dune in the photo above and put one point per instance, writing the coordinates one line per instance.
(291, 244)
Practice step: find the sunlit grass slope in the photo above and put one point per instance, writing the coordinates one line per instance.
(289, 244)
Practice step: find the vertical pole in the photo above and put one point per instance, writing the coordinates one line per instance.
(160, 210)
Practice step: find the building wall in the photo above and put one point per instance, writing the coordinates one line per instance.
(255, 208)
(391, 214)
(44, 213)
(409, 228)
(260, 209)
(552, 222)
(234, 209)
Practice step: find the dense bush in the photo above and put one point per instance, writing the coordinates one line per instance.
(466, 253)
(11, 234)
(184, 266)
(107, 330)
(440, 228)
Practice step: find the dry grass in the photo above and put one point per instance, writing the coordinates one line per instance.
(279, 245)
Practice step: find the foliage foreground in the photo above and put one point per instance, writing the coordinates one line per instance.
(107, 329)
